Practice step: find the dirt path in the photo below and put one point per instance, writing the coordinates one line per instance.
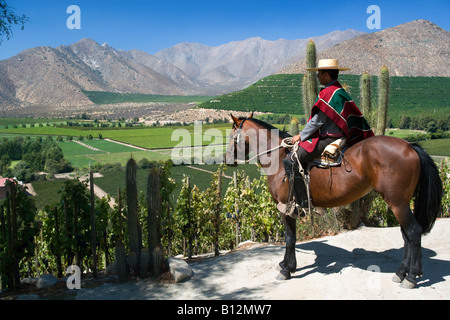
(352, 265)
(99, 192)
(88, 146)
(128, 145)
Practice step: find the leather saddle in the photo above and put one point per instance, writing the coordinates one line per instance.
(332, 154)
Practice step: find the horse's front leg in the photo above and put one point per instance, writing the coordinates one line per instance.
(289, 263)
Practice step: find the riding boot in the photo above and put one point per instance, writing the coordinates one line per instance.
(296, 182)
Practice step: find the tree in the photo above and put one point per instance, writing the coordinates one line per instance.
(7, 19)
(405, 122)
(431, 127)
(51, 166)
(5, 162)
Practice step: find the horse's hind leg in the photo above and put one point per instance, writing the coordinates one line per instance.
(406, 260)
(411, 266)
(413, 233)
(289, 263)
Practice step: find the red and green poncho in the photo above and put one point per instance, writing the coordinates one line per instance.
(336, 103)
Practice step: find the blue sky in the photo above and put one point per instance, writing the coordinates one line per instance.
(152, 25)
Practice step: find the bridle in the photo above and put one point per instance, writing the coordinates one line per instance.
(237, 137)
(239, 140)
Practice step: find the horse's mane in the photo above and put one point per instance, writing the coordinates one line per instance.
(283, 134)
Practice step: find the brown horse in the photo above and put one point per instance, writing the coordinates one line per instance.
(391, 166)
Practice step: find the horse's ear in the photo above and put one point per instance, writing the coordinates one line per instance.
(251, 115)
(235, 120)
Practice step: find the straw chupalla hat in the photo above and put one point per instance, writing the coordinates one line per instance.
(327, 64)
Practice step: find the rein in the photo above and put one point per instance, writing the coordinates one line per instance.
(285, 143)
(263, 153)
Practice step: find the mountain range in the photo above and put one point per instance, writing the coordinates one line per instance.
(46, 76)
(237, 64)
(56, 77)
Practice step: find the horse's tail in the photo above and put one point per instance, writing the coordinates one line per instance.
(429, 191)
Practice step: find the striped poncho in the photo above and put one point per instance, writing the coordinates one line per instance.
(336, 103)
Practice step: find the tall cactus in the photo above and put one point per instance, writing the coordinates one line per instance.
(3, 226)
(216, 214)
(121, 261)
(294, 130)
(134, 228)
(383, 100)
(153, 212)
(57, 245)
(8, 273)
(145, 263)
(366, 97)
(305, 98)
(120, 234)
(93, 232)
(311, 80)
(14, 233)
(157, 258)
(133, 262)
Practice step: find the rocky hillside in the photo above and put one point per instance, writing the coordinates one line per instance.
(417, 48)
(57, 76)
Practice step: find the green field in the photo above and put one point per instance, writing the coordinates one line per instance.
(438, 147)
(281, 93)
(146, 137)
(109, 152)
(109, 146)
(47, 192)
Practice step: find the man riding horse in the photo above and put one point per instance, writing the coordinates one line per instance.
(333, 116)
(397, 170)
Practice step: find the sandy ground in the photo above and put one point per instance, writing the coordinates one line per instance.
(352, 265)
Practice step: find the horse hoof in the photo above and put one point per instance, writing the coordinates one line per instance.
(406, 284)
(397, 279)
(283, 275)
(281, 266)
